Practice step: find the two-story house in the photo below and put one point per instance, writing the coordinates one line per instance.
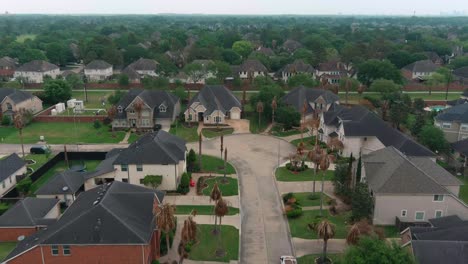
(98, 70)
(421, 70)
(291, 45)
(213, 105)
(251, 69)
(145, 67)
(297, 67)
(412, 189)
(461, 75)
(316, 100)
(143, 109)
(7, 68)
(35, 71)
(454, 122)
(14, 100)
(114, 223)
(156, 153)
(332, 71)
(10, 167)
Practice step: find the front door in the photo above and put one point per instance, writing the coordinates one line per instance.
(132, 122)
(200, 117)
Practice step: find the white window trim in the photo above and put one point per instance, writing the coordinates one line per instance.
(120, 109)
(438, 195)
(441, 213)
(405, 211)
(63, 250)
(162, 109)
(446, 125)
(416, 213)
(52, 250)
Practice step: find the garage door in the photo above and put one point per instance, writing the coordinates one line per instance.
(235, 115)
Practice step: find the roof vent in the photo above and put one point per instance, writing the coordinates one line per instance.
(96, 202)
(65, 188)
(21, 238)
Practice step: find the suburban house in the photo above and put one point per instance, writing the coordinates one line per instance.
(410, 189)
(202, 75)
(11, 167)
(64, 186)
(156, 107)
(251, 69)
(264, 51)
(461, 75)
(460, 151)
(114, 223)
(297, 67)
(420, 70)
(454, 122)
(14, 100)
(26, 217)
(332, 71)
(98, 70)
(291, 45)
(213, 105)
(316, 100)
(444, 240)
(35, 71)
(434, 57)
(7, 68)
(133, 76)
(156, 153)
(362, 131)
(462, 100)
(145, 67)
(177, 57)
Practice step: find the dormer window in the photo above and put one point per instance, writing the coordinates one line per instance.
(162, 108)
(120, 109)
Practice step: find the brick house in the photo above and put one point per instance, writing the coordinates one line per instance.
(114, 223)
(11, 167)
(332, 71)
(454, 122)
(98, 70)
(13, 100)
(419, 70)
(35, 71)
(251, 69)
(28, 216)
(7, 68)
(297, 67)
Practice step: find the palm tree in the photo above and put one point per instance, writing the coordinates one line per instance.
(274, 106)
(19, 124)
(111, 112)
(221, 209)
(138, 107)
(200, 140)
(215, 195)
(324, 165)
(259, 111)
(188, 234)
(315, 156)
(305, 106)
(165, 219)
(181, 251)
(353, 235)
(326, 231)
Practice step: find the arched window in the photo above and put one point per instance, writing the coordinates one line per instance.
(9, 107)
(162, 108)
(120, 109)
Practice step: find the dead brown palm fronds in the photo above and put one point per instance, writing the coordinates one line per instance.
(326, 231)
(165, 219)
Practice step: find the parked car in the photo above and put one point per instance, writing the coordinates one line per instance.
(38, 149)
(288, 260)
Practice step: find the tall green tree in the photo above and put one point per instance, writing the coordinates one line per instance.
(56, 91)
(433, 138)
(373, 69)
(362, 203)
(243, 48)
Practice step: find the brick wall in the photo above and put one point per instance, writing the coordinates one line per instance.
(12, 234)
(421, 87)
(69, 119)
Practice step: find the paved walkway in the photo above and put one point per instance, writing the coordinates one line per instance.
(315, 246)
(198, 200)
(127, 136)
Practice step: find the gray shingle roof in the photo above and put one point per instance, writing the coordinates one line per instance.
(422, 66)
(439, 174)
(446, 221)
(298, 95)
(461, 146)
(10, 165)
(154, 148)
(37, 66)
(105, 166)
(27, 212)
(131, 73)
(461, 72)
(7, 62)
(66, 182)
(458, 113)
(123, 215)
(332, 65)
(144, 65)
(216, 97)
(98, 65)
(390, 171)
(265, 51)
(291, 45)
(252, 66)
(298, 66)
(436, 252)
(153, 98)
(15, 95)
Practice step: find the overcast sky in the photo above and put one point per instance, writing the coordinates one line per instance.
(313, 7)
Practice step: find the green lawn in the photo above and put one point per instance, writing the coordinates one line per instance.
(202, 209)
(39, 158)
(354, 98)
(308, 141)
(463, 189)
(283, 174)
(298, 226)
(229, 189)
(59, 167)
(254, 126)
(6, 248)
(189, 133)
(23, 37)
(277, 130)
(95, 98)
(214, 132)
(61, 133)
(133, 137)
(310, 259)
(303, 199)
(208, 243)
(216, 165)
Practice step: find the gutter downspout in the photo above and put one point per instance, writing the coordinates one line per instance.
(142, 254)
(42, 256)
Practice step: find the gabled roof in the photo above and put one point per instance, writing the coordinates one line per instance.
(291, 45)
(144, 65)
(265, 51)
(154, 148)
(458, 113)
(461, 146)
(37, 66)
(297, 96)
(15, 95)
(298, 66)
(152, 98)
(98, 65)
(27, 212)
(361, 122)
(390, 171)
(439, 174)
(216, 97)
(10, 165)
(436, 252)
(66, 182)
(131, 73)
(7, 62)
(331, 66)
(446, 221)
(421, 66)
(461, 72)
(252, 66)
(112, 214)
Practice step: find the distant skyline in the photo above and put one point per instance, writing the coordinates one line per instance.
(247, 7)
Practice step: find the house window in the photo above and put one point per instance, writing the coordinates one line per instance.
(66, 250)
(419, 216)
(11, 179)
(54, 250)
(438, 198)
(3, 184)
(139, 167)
(446, 125)
(190, 117)
(124, 167)
(120, 109)
(131, 111)
(217, 119)
(404, 213)
(438, 213)
(145, 122)
(162, 108)
(9, 106)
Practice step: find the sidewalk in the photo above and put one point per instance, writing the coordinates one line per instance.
(198, 200)
(315, 246)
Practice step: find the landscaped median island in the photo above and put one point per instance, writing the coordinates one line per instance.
(216, 165)
(309, 142)
(301, 226)
(212, 132)
(279, 131)
(202, 210)
(305, 199)
(228, 186)
(284, 174)
(208, 244)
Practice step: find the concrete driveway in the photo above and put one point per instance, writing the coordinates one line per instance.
(240, 126)
(264, 230)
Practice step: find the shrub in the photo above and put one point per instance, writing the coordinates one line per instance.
(97, 124)
(163, 247)
(106, 121)
(24, 186)
(155, 262)
(290, 167)
(188, 247)
(295, 212)
(315, 222)
(184, 186)
(6, 120)
(287, 196)
(313, 196)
